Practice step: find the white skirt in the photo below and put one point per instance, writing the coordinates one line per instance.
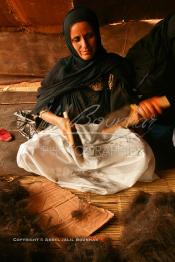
(112, 162)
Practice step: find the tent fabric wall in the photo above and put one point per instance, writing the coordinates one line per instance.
(126, 10)
(37, 16)
(31, 38)
(29, 56)
(47, 16)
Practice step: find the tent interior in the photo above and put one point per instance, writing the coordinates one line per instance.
(31, 41)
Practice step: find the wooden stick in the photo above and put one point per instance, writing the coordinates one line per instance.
(71, 140)
(134, 117)
(69, 133)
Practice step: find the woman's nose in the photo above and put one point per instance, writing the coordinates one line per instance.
(84, 43)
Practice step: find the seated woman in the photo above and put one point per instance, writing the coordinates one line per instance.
(76, 95)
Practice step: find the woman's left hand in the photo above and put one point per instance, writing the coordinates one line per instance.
(153, 106)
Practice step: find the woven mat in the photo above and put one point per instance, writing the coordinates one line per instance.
(20, 87)
(110, 204)
(67, 213)
(118, 202)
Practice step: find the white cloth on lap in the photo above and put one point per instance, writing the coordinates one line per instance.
(112, 162)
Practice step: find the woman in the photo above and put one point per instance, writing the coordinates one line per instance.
(87, 85)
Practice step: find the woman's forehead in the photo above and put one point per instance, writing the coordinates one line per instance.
(80, 15)
(80, 28)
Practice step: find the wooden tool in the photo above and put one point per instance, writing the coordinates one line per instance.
(134, 118)
(71, 140)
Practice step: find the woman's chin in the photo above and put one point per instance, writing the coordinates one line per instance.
(87, 57)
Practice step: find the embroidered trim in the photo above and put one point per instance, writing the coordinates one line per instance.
(111, 81)
(43, 111)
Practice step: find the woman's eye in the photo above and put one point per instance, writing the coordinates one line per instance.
(76, 39)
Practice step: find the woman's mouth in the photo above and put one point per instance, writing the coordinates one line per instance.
(88, 52)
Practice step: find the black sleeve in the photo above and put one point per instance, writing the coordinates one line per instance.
(153, 61)
(122, 93)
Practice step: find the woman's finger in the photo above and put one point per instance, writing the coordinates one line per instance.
(146, 110)
(157, 108)
(156, 103)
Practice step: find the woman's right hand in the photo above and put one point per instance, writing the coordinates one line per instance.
(63, 123)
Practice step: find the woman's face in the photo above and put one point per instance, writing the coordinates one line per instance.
(83, 40)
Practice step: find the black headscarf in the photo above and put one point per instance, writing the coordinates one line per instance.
(71, 72)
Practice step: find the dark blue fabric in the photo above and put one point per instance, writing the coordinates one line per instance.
(159, 137)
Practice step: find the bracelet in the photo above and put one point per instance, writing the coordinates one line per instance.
(43, 111)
